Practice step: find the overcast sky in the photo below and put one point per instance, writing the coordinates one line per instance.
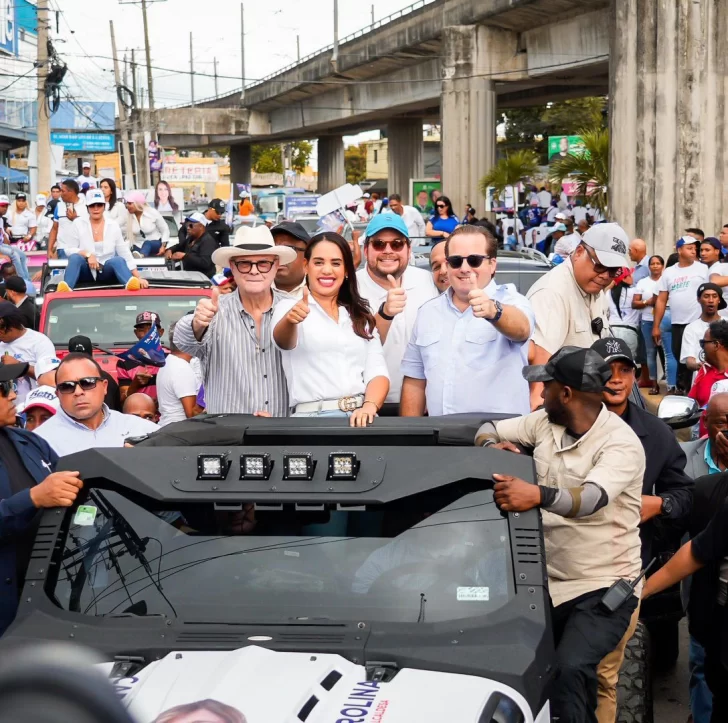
(271, 27)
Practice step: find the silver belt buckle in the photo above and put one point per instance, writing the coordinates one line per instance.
(348, 404)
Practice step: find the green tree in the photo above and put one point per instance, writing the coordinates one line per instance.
(355, 162)
(267, 158)
(510, 171)
(566, 117)
(590, 167)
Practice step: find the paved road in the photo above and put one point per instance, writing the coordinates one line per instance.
(670, 690)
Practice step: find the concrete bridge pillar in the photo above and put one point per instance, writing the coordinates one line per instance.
(240, 165)
(668, 127)
(331, 171)
(406, 151)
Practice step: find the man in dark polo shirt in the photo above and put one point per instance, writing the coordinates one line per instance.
(27, 484)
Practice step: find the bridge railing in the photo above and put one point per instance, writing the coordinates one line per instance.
(353, 36)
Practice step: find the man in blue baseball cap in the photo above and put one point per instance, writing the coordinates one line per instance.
(395, 290)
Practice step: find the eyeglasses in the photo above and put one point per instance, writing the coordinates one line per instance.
(7, 387)
(245, 267)
(441, 205)
(600, 269)
(69, 387)
(703, 342)
(474, 261)
(397, 245)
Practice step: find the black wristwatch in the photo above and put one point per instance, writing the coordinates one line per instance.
(384, 316)
(667, 506)
(498, 312)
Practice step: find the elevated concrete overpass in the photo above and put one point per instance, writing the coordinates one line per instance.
(458, 61)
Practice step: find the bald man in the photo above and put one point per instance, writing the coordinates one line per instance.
(141, 405)
(638, 256)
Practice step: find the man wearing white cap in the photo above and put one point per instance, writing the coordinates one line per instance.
(64, 239)
(86, 176)
(569, 302)
(40, 405)
(232, 334)
(196, 246)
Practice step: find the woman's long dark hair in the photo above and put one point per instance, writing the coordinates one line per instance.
(112, 186)
(446, 201)
(361, 316)
(172, 202)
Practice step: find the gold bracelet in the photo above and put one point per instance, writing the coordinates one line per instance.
(369, 401)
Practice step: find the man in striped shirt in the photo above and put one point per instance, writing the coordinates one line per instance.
(231, 334)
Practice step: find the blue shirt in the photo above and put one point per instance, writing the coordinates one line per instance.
(708, 457)
(468, 364)
(448, 225)
(642, 270)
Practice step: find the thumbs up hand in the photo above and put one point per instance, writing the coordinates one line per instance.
(301, 310)
(481, 304)
(396, 297)
(206, 309)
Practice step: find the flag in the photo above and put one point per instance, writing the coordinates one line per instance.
(147, 351)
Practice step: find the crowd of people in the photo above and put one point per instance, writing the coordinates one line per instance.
(292, 327)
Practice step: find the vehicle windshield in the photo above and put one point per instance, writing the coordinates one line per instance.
(269, 204)
(397, 563)
(109, 320)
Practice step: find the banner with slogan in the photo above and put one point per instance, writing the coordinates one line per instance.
(562, 146)
(190, 172)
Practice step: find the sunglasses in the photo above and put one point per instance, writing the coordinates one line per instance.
(474, 261)
(441, 205)
(244, 266)
(703, 342)
(7, 387)
(397, 245)
(86, 384)
(600, 269)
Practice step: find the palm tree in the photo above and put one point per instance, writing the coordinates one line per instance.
(510, 170)
(588, 168)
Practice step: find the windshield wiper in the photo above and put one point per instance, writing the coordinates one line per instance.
(131, 540)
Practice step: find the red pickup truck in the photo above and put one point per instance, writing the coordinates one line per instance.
(107, 316)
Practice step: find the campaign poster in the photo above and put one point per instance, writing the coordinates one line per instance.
(421, 194)
(155, 156)
(562, 146)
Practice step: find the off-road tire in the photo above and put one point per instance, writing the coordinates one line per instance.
(634, 687)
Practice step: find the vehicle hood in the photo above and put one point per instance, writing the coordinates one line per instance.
(273, 687)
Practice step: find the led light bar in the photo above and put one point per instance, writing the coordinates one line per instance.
(212, 466)
(298, 466)
(343, 465)
(255, 466)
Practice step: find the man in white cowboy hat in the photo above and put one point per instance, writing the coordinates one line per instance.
(231, 334)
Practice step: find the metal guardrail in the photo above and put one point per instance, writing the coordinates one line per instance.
(353, 36)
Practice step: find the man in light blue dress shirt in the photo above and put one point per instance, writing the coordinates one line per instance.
(468, 346)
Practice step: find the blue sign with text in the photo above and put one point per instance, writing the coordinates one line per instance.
(8, 28)
(85, 141)
(83, 115)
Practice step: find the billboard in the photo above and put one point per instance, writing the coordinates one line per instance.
(562, 146)
(102, 142)
(190, 173)
(8, 28)
(421, 193)
(83, 115)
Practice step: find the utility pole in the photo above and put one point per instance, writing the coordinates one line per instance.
(134, 78)
(44, 122)
(242, 49)
(214, 65)
(298, 48)
(123, 122)
(150, 82)
(372, 15)
(335, 55)
(192, 74)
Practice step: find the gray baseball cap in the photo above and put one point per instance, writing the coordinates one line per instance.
(581, 369)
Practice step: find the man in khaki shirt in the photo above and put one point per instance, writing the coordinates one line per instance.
(570, 302)
(589, 467)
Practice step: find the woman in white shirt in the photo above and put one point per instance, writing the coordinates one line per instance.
(115, 208)
(623, 319)
(22, 221)
(146, 230)
(332, 356)
(103, 254)
(43, 223)
(645, 295)
(164, 201)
